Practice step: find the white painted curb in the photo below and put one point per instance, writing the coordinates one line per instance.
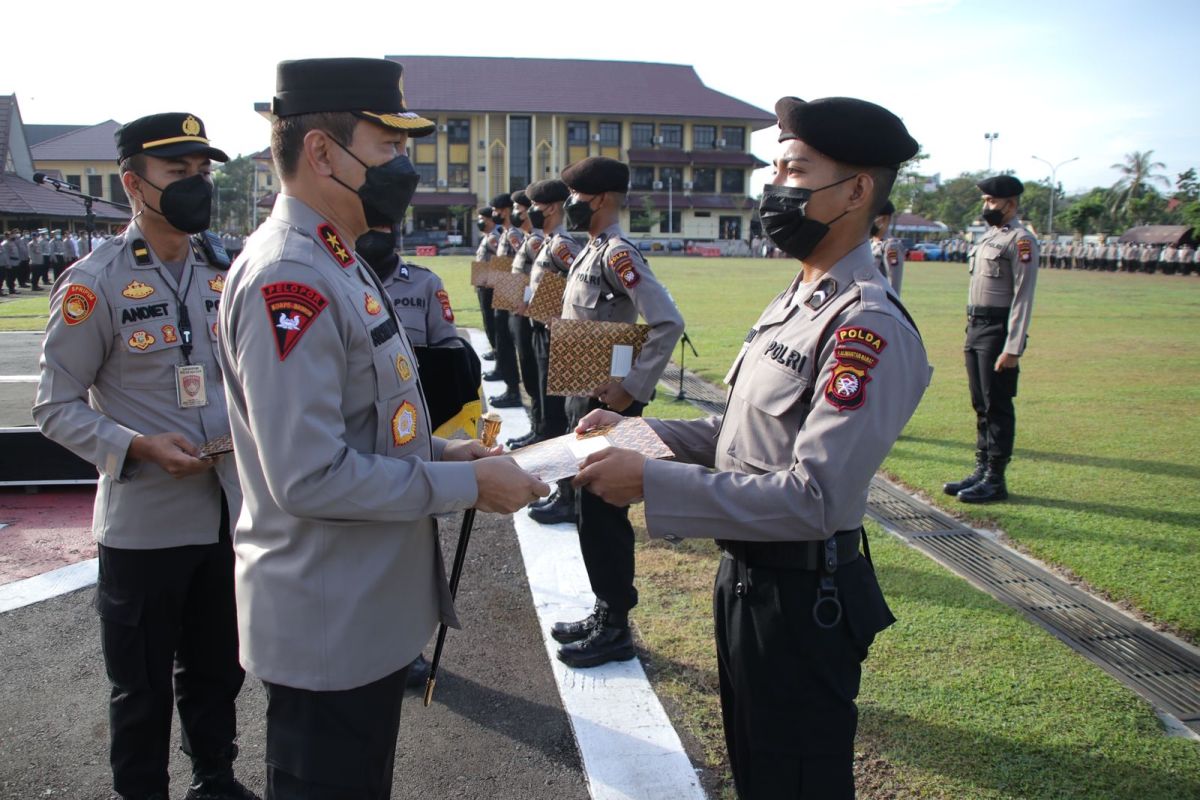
(19, 594)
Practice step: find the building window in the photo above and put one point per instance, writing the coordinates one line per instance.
(730, 227)
(641, 179)
(703, 137)
(735, 138)
(639, 221)
(577, 133)
(95, 185)
(74, 181)
(672, 177)
(670, 222)
(520, 157)
(458, 131)
(733, 181)
(672, 136)
(704, 179)
(643, 134)
(610, 134)
(428, 173)
(459, 175)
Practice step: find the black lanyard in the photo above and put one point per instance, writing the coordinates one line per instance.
(181, 311)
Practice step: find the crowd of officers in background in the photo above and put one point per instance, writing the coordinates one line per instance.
(31, 259)
(1107, 255)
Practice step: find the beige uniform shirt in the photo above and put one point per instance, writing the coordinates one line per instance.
(108, 365)
(889, 260)
(611, 282)
(339, 575)
(509, 241)
(487, 246)
(826, 380)
(557, 255)
(422, 303)
(527, 253)
(1004, 268)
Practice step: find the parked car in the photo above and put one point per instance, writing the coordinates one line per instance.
(931, 250)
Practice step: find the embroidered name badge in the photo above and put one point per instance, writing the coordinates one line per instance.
(291, 309)
(333, 243)
(77, 304)
(621, 262)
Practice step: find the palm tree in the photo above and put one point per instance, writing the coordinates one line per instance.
(1136, 173)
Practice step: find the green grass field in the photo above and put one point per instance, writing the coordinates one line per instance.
(963, 698)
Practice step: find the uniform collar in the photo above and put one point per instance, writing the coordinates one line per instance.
(815, 298)
(611, 232)
(133, 235)
(296, 213)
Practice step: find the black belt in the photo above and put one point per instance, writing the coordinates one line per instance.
(792, 555)
(989, 313)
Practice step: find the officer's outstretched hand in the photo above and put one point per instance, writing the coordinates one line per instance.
(597, 419)
(468, 450)
(171, 451)
(504, 487)
(613, 474)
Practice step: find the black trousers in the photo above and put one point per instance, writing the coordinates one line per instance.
(489, 319)
(506, 352)
(41, 272)
(605, 535)
(9, 276)
(521, 330)
(23, 272)
(787, 685)
(992, 392)
(554, 407)
(333, 745)
(169, 613)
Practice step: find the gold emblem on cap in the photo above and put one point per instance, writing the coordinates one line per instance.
(191, 126)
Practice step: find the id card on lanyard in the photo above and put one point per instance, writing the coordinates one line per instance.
(191, 389)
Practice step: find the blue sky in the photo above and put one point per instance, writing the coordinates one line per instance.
(1055, 79)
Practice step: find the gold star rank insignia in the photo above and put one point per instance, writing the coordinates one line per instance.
(333, 243)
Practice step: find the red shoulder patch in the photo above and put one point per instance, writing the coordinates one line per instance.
(333, 243)
(893, 257)
(444, 299)
(291, 309)
(856, 334)
(1025, 250)
(621, 262)
(536, 244)
(564, 255)
(78, 304)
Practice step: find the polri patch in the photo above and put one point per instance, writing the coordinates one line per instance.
(291, 309)
(77, 304)
(893, 257)
(1025, 250)
(333, 243)
(856, 334)
(404, 424)
(621, 262)
(564, 255)
(447, 311)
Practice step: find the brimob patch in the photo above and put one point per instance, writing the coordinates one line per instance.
(136, 290)
(291, 309)
(404, 424)
(77, 304)
(333, 243)
(447, 311)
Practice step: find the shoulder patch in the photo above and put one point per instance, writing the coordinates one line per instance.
(893, 256)
(78, 304)
(847, 387)
(621, 262)
(444, 299)
(564, 254)
(333, 243)
(857, 334)
(291, 309)
(1025, 250)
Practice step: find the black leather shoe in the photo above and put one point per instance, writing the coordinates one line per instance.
(507, 400)
(418, 673)
(603, 644)
(525, 441)
(493, 375)
(227, 788)
(567, 632)
(490, 355)
(991, 489)
(542, 502)
(975, 477)
(561, 510)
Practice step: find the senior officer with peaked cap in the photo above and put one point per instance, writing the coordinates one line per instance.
(131, 383)
(826, 379)
(340, 576)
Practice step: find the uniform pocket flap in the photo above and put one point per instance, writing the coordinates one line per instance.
(118, 607)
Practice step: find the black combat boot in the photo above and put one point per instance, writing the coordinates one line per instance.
(212, 779)
(490, 355)
(992, 488)
(510, 399)
(608, 640)
(567, 632)
(533, 437)
(559, 511)
(975, 477)
(418, 673)
(493, 375)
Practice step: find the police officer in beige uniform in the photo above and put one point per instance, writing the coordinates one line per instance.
(484, 252)
(509, 242)
(131, 383)
(1004, 268)
(887, 250)
(556, 256)
(418, 294)
(340, 580)
(610, 281)
(519, 325)
(826, 379)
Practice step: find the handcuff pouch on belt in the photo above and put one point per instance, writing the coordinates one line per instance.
(827, 592)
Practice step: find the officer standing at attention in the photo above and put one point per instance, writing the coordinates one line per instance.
(519, 324)
(418, 294)
(510, 239)
(340, 579)
(826, 379)
(610, 281)
(485, 252)
(888, 250)
(556, 256)
(131, 383)
(999, 307)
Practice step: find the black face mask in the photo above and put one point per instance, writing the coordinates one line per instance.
(496, 218)
(387, 191)
(579, 214)
(515, 218)
(782, 211)
(537, 217)
(993, 217)
(375, 247)
(481, 225)
(186, 204)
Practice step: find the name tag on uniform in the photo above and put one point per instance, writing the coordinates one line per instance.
(190, 386)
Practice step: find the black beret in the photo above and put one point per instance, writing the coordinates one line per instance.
(847, 130)
(165, 136)
(502, 201)
(596, 175)
(549, 191)
(486, 211)
(369, 88)
(888, 209)
(1001, 186)
(520, 198)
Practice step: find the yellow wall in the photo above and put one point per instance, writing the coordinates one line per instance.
(80, 168)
